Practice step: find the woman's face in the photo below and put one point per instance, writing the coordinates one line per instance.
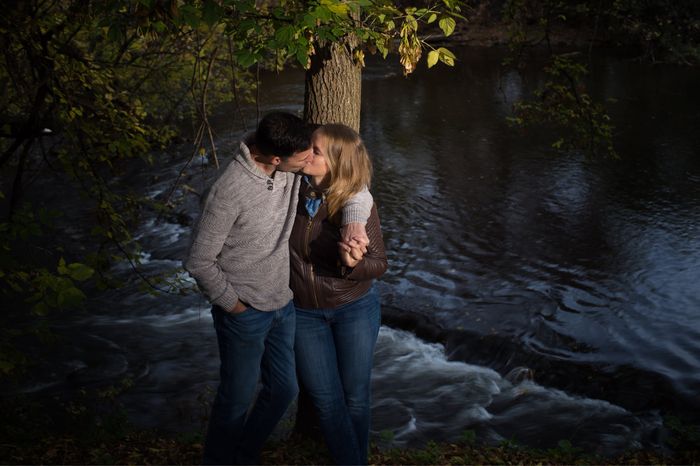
(318, 168)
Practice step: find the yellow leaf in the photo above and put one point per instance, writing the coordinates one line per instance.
(447, 25)
(340, 9)
(447, 57)
(433, 57)
(359, 57)
(444, 51)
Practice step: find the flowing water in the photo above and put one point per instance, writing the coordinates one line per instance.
(530, 296)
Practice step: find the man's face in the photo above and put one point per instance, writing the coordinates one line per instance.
(296, 161)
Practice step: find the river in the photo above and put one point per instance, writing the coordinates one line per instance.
(531, 296)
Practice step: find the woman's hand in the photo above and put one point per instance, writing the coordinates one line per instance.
(351, 253)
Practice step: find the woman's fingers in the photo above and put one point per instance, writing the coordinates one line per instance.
(357, 253)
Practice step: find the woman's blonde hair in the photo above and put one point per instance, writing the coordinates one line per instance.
(348, 163)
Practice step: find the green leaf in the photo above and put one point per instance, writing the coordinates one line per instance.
(447, 25)
(284, 35)
(245, 58)
(70, 297)
(449, 4)
(322, 13)
(433, 57)
(190, 15)
(80, 272)
(381, 46)
(564, 444)
(247, 25)
(211, 12)
(6, 367)
(40, 309)
(115, 33)
(309, 21)
(62, 269)
(362, 34)
(432, 18)
(303, 58)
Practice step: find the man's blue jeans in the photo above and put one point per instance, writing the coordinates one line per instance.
(334, 350)
(252, 344)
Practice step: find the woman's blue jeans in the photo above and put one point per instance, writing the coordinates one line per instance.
(334, 350)
(252, 344)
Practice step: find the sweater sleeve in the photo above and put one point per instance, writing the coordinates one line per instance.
(214, 226)
(374, 263)
(357, 209)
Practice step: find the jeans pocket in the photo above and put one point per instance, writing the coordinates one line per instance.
(229, 319)
(238, 315)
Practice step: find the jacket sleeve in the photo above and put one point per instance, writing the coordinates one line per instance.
(214, 226)
(357, 209)
(374, 263)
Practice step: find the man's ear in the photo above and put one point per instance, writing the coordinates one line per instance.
(275, 160)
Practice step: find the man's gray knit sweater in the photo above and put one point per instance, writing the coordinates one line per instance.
(240, 248)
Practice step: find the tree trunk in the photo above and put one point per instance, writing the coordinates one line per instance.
(334, 86)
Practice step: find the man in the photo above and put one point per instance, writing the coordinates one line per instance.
(240, 260)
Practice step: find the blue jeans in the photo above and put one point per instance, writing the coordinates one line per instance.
(252, 344)
(334, 349)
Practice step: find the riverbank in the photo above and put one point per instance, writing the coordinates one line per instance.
(145, 447)
(99, 432)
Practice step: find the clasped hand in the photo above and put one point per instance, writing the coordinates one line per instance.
(353, 245)
(351, 252)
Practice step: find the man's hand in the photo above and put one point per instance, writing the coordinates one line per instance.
(238, 308)
(355, 235)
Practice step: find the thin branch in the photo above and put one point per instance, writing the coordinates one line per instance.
(125, 47)
(595, 30)
(197, 140)
(137, 271)
(17, 183)
(257, 93)
(204, 106)
(234, 85)
(11, 150)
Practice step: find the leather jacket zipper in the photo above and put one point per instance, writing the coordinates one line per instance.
(308, 257)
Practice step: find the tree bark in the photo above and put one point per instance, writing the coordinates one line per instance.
(333, 88)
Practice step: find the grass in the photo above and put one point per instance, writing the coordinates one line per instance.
(29, 435)
(149, 447)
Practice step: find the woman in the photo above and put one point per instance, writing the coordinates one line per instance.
(338, 314)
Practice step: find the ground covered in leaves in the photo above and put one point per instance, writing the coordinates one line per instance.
(151, 448)
(67, 432)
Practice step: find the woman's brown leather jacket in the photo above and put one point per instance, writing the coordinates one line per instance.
(318, 278)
